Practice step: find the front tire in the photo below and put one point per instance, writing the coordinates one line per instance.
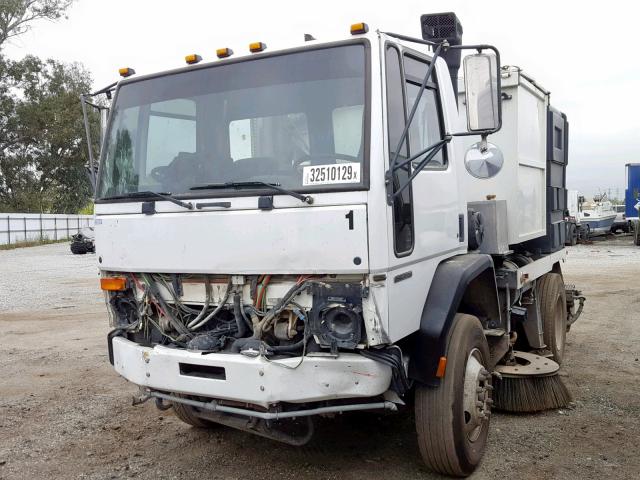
(452, 420)
(188, 415)
(553, 308)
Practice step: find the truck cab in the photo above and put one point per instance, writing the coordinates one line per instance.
(284, 234)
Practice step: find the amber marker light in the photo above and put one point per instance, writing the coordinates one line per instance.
(442, 367)
(256, 47)
(193, 59)
(224, 52)
(358, 28)
(126, 72)
(113, 284)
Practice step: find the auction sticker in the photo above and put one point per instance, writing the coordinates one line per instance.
(331, 174)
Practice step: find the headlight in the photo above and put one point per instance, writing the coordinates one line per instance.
(336, 316)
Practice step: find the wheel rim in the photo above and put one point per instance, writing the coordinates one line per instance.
(477, 396)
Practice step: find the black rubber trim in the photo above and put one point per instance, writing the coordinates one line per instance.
(110, 336)
(450, 281)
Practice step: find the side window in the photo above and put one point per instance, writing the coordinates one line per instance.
(396, 118)
(172, 130)
(426, 127)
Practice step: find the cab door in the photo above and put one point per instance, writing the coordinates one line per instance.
(426, 226)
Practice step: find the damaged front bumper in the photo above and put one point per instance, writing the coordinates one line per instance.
(254, 380)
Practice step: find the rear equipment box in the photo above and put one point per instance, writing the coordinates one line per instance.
(534, 141)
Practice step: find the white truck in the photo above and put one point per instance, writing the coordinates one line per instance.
(317, 230)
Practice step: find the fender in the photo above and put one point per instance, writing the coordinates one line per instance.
(448, 295)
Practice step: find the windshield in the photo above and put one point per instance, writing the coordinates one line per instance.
(296, 120)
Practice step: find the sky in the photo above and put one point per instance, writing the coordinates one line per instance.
(582, 51)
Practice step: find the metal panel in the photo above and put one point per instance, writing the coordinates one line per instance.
(556, 193)
(252, 380)
(495, 222)
(285, 240)
(523, 141)
(436, 206)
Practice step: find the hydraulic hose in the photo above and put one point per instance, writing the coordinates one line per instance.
(245, 316)
(194, 326)
(237, 313)
(207, 300)
(289, 348)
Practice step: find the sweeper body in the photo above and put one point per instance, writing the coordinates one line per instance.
(336, 227)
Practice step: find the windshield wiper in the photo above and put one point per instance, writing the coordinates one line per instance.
(255, 184)
(149, 193)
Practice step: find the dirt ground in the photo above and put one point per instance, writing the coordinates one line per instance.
(65, 414)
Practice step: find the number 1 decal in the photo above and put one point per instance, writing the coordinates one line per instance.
(349, 216)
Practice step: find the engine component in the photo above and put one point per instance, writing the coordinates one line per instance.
(336, 316)
(284, 327)
(207, 342)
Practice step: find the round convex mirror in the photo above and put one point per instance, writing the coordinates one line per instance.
(485, 164)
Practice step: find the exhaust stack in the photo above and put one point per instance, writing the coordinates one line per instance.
(437, 27)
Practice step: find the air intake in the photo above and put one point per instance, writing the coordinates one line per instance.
(438, 27)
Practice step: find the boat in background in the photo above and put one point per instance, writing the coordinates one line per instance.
(597, 217)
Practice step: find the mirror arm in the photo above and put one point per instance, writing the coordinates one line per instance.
(411, 39)
(87, 129)
(398, 166)
(483, 143)
(106, 90)
(434, 149)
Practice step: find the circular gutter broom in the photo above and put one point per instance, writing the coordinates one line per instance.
(529, 383)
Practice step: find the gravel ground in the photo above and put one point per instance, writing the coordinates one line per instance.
(65, 414)
(49, 276)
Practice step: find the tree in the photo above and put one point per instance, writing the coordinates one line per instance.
(42, 148)
(16, 16)
(42, 145)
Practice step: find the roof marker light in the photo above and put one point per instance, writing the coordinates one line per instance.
(358, 28)
(126, 72)
(224, 52)
(256, 47)
(193, 59)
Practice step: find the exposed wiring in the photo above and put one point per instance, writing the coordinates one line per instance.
(194, 326)
(392, 357)
(266, 321)
(173, 321)
(207, 301)
(262, 288)
(158, 306)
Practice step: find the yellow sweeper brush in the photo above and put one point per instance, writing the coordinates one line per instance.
(529, 383)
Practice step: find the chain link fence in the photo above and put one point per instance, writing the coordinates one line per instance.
(26, 227)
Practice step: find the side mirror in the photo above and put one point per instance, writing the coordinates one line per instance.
(481, 93)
